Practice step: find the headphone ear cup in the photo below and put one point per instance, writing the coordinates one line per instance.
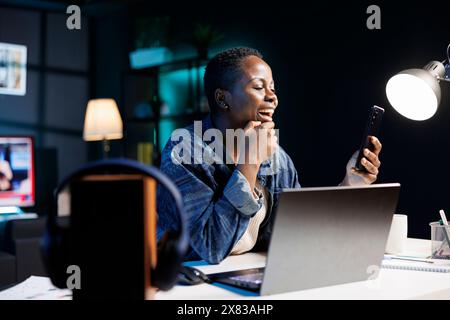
(55, 252)
(168, 265)
(172, 247)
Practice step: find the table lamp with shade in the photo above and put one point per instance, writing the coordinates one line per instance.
(102, 122)
(416, 93)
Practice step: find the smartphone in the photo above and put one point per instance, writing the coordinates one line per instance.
(372, 129)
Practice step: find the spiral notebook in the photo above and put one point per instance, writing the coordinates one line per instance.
(437, 265)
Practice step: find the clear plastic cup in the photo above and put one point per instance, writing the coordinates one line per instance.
(440, 241)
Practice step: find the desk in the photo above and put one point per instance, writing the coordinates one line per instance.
(390, 284)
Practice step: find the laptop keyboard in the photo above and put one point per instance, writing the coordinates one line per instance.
(255, 278)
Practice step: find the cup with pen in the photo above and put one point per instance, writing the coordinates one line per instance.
(440, 238)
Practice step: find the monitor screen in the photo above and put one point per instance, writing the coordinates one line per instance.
(16, 171)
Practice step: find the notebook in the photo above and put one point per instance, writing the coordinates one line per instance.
(438, 265)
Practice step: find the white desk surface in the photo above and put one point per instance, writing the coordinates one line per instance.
(390, 284)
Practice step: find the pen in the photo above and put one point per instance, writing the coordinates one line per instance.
(443, 222)
(407, 258)
(443, 217)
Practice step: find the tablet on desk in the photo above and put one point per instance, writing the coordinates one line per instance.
(248, 279)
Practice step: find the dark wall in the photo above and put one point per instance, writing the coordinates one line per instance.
(328, 67)
(109, 50)
(57, 90)
(329, 70)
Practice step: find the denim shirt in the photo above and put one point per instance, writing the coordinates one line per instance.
(217, 198)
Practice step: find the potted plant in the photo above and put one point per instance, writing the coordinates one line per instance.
(151, 42)
(204, 36)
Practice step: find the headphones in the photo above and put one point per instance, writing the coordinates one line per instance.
(171, 248)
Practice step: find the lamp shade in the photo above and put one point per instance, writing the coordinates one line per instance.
(415, 93)
(102, 121)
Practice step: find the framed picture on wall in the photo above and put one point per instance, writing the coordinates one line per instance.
(13, 69)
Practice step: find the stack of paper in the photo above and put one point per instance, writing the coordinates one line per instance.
(36, 288)
(435, 265)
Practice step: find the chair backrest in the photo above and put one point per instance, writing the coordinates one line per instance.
(113, 235)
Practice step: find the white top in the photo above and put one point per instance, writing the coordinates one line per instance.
(248, 239)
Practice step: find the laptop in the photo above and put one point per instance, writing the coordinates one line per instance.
(322, 237)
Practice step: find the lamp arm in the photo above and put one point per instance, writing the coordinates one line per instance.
(446, 64)
(448, 53)
(447, 61)
(443, 79)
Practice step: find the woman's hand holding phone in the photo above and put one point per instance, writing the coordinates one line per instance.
(363, 166)
(369, 161)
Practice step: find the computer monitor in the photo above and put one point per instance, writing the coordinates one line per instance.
(17, 171)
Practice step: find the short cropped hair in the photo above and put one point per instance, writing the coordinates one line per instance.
(223, 70)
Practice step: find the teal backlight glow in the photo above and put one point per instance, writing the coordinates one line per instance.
(178, 90)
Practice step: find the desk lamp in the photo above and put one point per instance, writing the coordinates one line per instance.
(416, 93)
(102, 122)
